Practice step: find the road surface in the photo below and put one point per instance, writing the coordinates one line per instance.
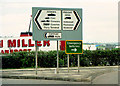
(36, 81)
(107, 78)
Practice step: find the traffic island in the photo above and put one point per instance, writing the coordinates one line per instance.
(86, 74)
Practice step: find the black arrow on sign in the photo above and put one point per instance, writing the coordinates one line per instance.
(37, 18)
(77, 21)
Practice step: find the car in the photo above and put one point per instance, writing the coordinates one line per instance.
(45, 21)
(47, 18)
(51, 15)
(46, 24)
(67, 17)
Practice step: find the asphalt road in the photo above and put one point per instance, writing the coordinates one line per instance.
(107, 78)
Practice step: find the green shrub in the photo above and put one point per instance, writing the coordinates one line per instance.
(49, 59)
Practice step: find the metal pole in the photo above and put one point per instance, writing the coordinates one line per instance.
(78, 62)
(68, 62)
(36, 55)
(57, 58)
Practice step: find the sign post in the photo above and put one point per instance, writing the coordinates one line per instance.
(74, 47)
(57, 58)
(68, 62)
(36, 55)
(78, 62)
(57, 24)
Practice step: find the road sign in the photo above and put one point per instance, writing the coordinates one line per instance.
(73, 47)
(48, 19)
(53, 35)
(60, 21)
(71, 20)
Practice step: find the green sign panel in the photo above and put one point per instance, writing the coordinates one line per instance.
(73, 47)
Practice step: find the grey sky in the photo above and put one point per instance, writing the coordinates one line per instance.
(100, 17)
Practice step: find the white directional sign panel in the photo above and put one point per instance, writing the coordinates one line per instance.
(48, 19)
(57, 23)
(71, 20)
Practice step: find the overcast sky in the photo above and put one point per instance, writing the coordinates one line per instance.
(100, 17)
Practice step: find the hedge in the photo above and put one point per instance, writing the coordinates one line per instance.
(49, 59)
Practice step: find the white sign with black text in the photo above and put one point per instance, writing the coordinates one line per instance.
(48, 19)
